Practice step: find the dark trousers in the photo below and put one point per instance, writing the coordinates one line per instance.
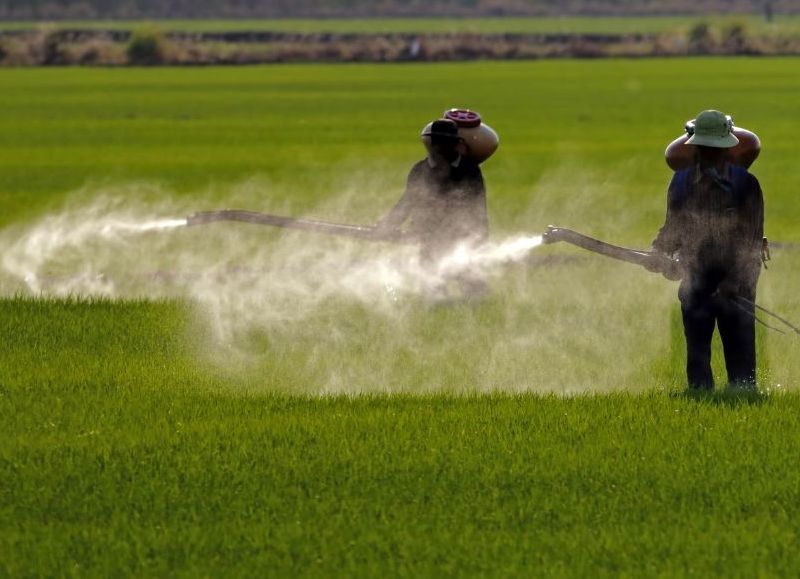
(736, 323)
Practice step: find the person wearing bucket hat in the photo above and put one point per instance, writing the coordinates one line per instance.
(713, 129)
(715, 225)
(444, 204)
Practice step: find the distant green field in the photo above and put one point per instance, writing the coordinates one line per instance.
(582, 142)
(268, 415)
(782, 25)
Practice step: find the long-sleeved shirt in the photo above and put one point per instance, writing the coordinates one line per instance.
(443, 204)
(715, 223)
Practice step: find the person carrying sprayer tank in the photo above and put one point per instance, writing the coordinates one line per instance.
(714, 226)
(444, 203)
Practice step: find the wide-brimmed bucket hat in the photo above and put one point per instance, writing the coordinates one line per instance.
(713, 129)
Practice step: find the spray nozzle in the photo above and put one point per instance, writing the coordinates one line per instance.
(552, 234)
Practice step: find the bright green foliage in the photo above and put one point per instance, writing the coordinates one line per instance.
(121, 457)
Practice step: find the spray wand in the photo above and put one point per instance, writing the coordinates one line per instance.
(651, 260)
(339, 229)
(654, 261)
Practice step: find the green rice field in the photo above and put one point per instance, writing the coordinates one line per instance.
(239, 401)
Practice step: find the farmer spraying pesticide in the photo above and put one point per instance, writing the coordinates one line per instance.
(442, 211)
(715, 225)
(712, 240)
(444, 203)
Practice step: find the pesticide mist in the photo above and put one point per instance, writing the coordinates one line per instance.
(330, 314)
(113, 250)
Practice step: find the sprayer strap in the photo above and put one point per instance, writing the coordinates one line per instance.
(743, 300)
(752, 314)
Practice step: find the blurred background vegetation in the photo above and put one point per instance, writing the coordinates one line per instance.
(391, 39)
(59, 9)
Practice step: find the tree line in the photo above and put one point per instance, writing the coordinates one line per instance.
(157, 9)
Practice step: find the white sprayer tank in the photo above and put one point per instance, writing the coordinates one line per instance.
(478, 140)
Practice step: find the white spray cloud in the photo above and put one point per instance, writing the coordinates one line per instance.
(345, 315)
(239, 274)
(28, 252)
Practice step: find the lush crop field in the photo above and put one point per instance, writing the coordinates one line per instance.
(191, 416)
(782, 24)
(142, 470)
